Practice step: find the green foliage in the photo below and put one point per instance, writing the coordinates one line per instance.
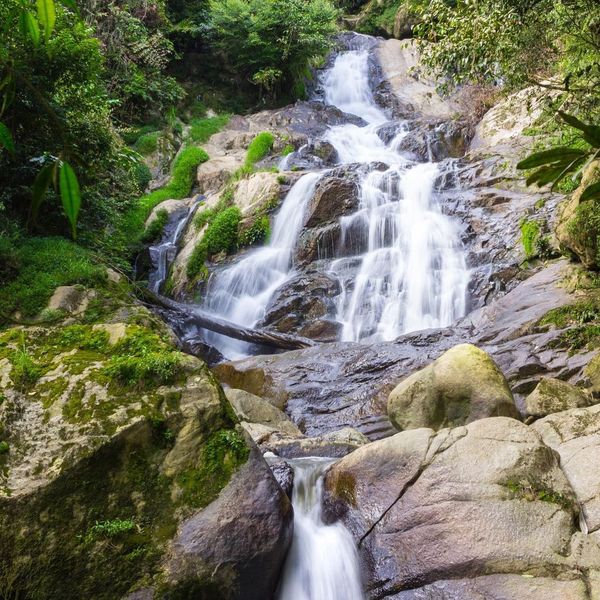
(257, 233)
(109, 529)
(25, 372)
(155, 230)
(287, 149)
(222, 235)
(70, 195)
(526, 490)
(43, 265)
(259, 148)
(202, 129)
(580, 313)
(530, 232)
(272, 42)
(147, 143)
(4, 448)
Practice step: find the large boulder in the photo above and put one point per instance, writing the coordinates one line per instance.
(258, 193)
(575, 435)
(553, 395)
(111, 441)
(461, 386)
(485, 499)
(333, 197)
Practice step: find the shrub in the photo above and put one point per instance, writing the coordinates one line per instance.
(259, 147)
(203, 129)
(257, 233)
(148, 143)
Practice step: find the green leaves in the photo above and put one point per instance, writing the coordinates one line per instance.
(29, 27)
(70, 195)
(6, 139)
(47, 16)
(40, 187)
(553, 165)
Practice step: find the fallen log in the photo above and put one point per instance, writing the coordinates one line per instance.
(205, 320)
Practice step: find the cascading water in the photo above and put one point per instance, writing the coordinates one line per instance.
(242, 292)
(400, 262)
(322, 563)
(402, 267)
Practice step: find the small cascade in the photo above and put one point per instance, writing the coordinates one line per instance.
(323, 562)
(163, 254)
(241, 292)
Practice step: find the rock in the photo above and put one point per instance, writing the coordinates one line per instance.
(576, 240)
(252, 409)
(461, 386)
(415, 93)
(214, 173)
(575, 435)
(171, 207)
(552, 396)
(72, 299)
(459, 504)
(239, 542)
(406, 19)
(102, 471)
(282, 471)
(257, 193)
(333, 197)
(318, 243)
(592, 373)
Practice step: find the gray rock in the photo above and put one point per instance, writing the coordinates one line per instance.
(553, 395)
(461, 386)
(463, 503)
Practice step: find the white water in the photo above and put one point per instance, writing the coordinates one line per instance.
(402, 267)
(241, 293)
(322, 563)
(400, 264)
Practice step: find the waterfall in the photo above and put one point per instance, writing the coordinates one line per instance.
(399, 263)
(322, 563)
(241, 293)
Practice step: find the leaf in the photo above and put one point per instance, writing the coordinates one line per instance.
(561, 153)
(47, 16)
(544, 176)
(40, 187)
(6, 139)
(70, 195)
(591, 192)
(29, 27)
(591, 133)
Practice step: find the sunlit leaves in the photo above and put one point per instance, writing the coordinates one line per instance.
(70, 195)
(29, 27)
(47, 16)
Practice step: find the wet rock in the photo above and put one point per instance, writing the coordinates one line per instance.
(575, 435)
(238, 542)
(318, 243)
(463, 503)
(552, 396)
(282, 471)
(334, 444)
(461, 386)
(70, 299)
(437, 141)
(333, 198)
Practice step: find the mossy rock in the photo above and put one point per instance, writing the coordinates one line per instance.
(553, 396)
(461, 386)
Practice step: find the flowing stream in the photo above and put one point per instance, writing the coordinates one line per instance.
(322, 563)
(400, 263)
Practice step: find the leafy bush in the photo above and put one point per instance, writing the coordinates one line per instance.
(257, 233)
(45, 264)
(202, 129)
(259, 148)
(148, 143)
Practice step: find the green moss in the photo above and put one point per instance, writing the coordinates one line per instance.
(287, 149)
(154, 231)
(220, 457)
(530, 231)
(572, 314)
(259, 148)
(109, 529)
(4, 447)
(45, 264)
(148, 143)
(222, 235)
(25, 372)
(202, 129)
(345, 488)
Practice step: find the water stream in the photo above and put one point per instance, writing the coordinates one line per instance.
(322, 563)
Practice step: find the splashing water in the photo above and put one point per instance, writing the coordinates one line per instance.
(322, 563)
